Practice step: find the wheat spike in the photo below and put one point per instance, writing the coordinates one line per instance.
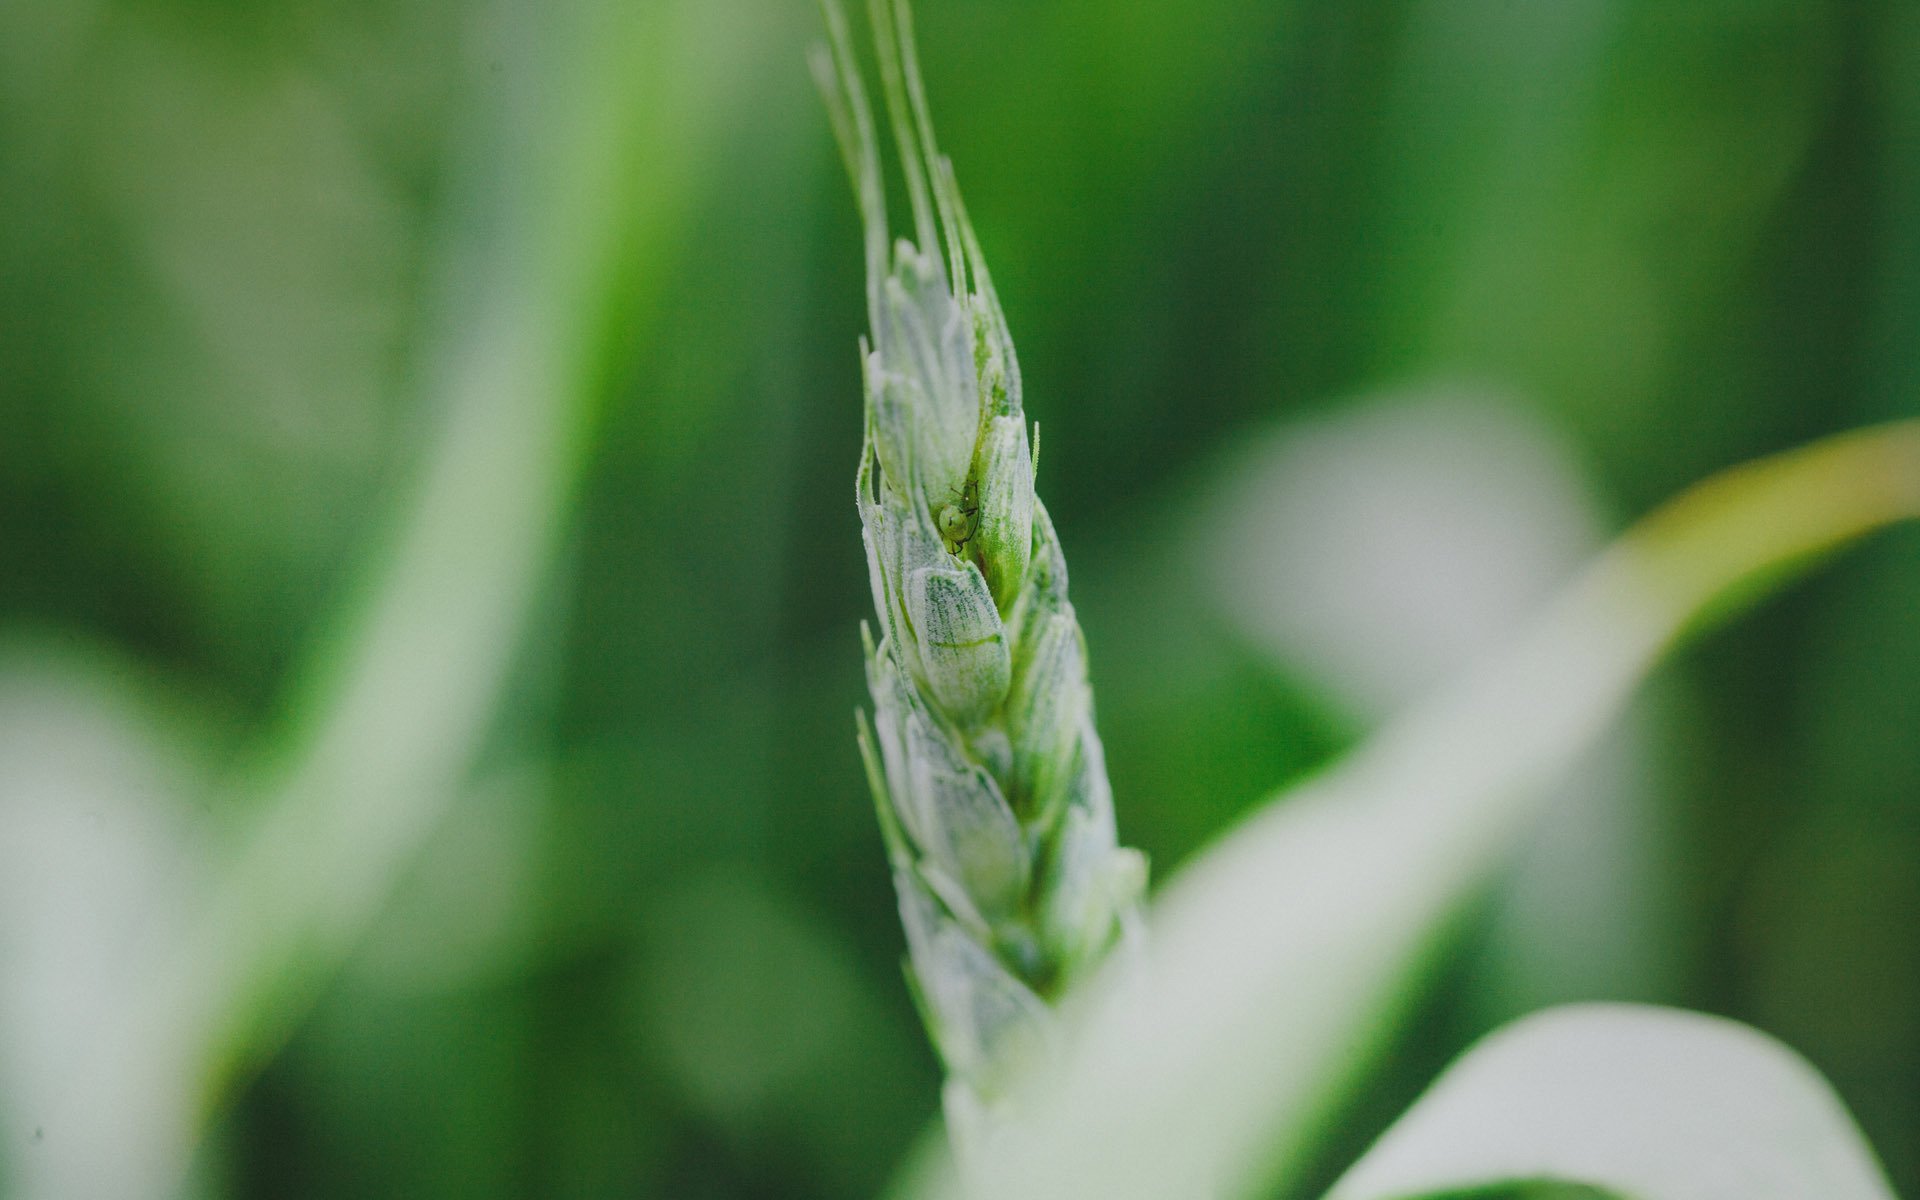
(982, 755)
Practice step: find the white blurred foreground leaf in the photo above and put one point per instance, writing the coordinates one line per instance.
(1280, 959)
(1379, 550)
(1383, 547)
(101, 850)
(1646, 1102)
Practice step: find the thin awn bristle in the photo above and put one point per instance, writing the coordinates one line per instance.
(820, 61)
(912, 165)
(852, 119)
(950, 217)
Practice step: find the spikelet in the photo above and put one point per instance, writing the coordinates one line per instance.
(982, 756)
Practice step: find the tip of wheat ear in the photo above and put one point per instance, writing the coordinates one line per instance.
(985, 767)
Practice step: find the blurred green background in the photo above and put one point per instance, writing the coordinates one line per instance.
(428, 618)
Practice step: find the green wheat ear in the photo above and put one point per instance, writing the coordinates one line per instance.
(985, 767)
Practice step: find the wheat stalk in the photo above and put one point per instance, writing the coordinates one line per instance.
(982, 755)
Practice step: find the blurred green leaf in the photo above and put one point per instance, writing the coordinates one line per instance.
(1281, 957)
(757, 1017)
(1572, 190)
(584, 152)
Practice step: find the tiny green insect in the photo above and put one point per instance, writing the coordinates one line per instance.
(957, 521)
